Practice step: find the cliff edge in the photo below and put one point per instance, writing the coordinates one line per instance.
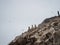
(47, 33)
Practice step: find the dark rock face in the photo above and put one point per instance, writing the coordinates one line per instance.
(47, 33)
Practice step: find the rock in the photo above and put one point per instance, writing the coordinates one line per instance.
(47, 33)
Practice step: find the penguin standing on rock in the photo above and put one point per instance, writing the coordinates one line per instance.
(58, 13)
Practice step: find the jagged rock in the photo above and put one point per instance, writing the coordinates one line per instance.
(47, 33)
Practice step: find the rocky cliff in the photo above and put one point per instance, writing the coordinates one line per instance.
(47, 33)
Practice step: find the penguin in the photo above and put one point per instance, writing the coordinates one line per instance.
(58, 13)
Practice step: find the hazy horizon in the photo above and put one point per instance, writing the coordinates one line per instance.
(17, 15)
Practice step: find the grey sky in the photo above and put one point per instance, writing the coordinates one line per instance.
(17, 15)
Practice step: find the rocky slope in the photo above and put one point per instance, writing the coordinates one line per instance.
(47, 33)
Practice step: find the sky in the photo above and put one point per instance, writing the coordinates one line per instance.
(17, 15)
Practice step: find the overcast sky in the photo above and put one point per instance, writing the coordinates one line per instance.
(17, 15)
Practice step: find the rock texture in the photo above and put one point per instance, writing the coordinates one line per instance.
(47, 33)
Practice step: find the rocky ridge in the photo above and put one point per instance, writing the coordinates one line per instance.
(47, 33)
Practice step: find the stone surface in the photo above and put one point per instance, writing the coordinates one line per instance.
(47, 33)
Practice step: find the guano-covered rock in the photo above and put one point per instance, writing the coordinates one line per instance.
(47, 33)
